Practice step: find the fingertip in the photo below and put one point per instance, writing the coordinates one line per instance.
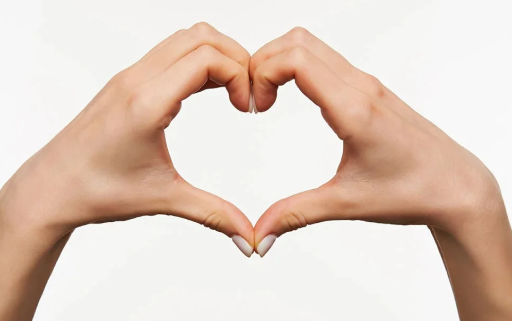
(239, 90)
(237, 223)
(254, 107)
(243, 245)
(264, 95)
(252, 104)
(269, 224)
(265, 244)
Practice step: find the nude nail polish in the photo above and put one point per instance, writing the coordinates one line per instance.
(242, 245)
(266, 244)
(255, 109)
(252, 102)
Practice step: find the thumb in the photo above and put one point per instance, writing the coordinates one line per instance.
(189, 202)
(318, 205)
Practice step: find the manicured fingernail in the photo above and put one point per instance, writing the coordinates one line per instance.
(242, 245)
(252, 106)
(266, 244)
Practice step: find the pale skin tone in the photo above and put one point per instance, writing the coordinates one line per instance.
(111, 163)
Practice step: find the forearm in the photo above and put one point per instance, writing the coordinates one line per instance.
(27, 259)
(478, 259)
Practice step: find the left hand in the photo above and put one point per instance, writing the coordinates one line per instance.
(397, 167)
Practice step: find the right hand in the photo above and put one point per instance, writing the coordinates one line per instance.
(111, 162)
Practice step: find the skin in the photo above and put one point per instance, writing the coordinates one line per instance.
(396, 168)
(111, 163)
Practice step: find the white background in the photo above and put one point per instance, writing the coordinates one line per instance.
(450, 60)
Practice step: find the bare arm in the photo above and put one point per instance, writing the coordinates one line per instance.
(479, 264)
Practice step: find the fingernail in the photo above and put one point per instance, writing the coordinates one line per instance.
(251, 103)
(242, 245)
(266, 244)
(252, 106)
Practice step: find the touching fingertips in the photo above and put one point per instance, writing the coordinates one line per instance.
(239, 92)
(264, 97)
(243, 245)
(266, 244)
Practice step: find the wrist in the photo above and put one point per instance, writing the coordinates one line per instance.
(480, 222)
(28, 258)
(478, 258)
(474, 206)
(31, 212)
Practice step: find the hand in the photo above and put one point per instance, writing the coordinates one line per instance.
(111, 163)
(396, 167)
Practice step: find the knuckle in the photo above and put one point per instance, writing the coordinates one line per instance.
(359, 115)
(298, 55)
(138, 99)
(363, 111)
(244, 58)
(291, 218)
(122, 81)
(299, 35)
(213, 220)
(202, 30)
(294, 220)
(375, 87)
(206, 52)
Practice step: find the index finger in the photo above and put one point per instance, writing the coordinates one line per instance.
(346, 109)
(335, 61)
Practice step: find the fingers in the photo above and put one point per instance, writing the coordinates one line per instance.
(301, 37)
(191, 203)
(314, 206)
(346, 109)
(160, 99)
(159, 46)
(333, 60)
(183, 43)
